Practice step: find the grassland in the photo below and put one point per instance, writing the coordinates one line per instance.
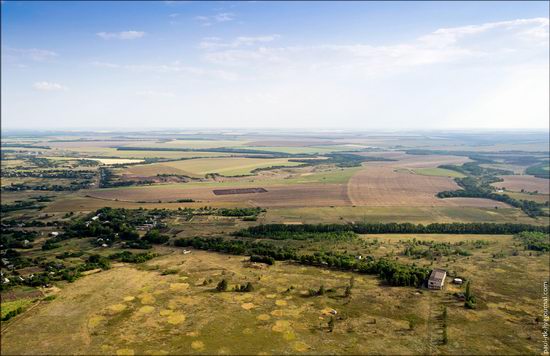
(141, 310)
(436, 172)
(539, 198)
(298, 149)
(421, 215)
(199, 143)
(199, 167)
(6, 307)
(107, 161)
(109, 152)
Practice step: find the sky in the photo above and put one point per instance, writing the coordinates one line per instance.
(337, 65)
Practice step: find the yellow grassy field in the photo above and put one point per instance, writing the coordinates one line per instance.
(200, 167)
(190, 143)
(138, 310)
(97, 151)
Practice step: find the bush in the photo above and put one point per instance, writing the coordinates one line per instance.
(12, 313)
(154, 236)
(222, 286)
(262, 259)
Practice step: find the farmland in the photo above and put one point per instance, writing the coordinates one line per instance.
(525, 183)
(142, 277)
(201, 167)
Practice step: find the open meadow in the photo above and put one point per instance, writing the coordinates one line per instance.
(143, 310)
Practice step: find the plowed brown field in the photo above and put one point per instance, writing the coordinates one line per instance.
(301, 195)
(415, 161)
(383, 186)
(529, 183)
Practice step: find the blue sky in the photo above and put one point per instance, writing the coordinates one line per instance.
(380, 65)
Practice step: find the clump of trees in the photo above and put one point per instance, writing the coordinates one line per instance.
(262, 259)
(431, 249)
(16, 238)
(222, 285)
(239, 212)
(20, 205)
(12, 313)
(478, 185)
(129, 257)
(155, 237)
(470, 302)
(318, 292)
(271, 230)
(393, 272)
(536, 241)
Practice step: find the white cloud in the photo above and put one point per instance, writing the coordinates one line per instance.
(216, 43)
(49, 86)
(484, 75)
(171, 68)
(535, 28)
(33, 54)
(217, 18)
(124, 35)
(514, 41)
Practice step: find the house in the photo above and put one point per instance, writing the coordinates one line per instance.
(437, 279)
(54, 233)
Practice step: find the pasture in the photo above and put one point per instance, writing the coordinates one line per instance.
(199, 167)
(141, 310)
(437, 172)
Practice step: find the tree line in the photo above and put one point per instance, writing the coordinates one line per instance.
(393, 272)
(268, 230)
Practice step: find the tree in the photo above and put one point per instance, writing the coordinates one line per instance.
(248, 287)
(331, 324)
(321, 290)
(445, 336)
(470, 298)
(129, 235)
(347, 292)
(222, 286)
(154, 236)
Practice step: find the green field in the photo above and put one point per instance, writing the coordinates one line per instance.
(201, 166)
(7, 307)
(438, 172)
(298, 150)
(424, 215)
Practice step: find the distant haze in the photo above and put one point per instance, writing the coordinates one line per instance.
(349, 65)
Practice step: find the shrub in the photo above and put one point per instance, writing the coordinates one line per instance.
(222, 286)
